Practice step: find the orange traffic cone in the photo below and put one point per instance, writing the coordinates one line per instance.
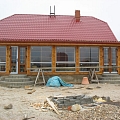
(85, 81)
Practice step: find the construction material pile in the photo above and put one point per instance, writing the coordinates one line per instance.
(100, 112)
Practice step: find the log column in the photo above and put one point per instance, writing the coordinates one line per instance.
(53, 59)
(8, 60)
(118, 60)
(77, 59)
(101, 59)
(28, 60)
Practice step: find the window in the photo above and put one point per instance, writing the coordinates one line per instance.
(2, 58)
(89, 57)
(41, 57)
(65, 57)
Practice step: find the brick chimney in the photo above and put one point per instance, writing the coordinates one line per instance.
(77, 15)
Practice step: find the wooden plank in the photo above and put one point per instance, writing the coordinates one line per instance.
(37, 77)
(53, 106)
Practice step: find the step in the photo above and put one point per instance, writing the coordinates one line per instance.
(16, 79)
(17, 76)
(110, 81)
(109, 78)
(16, 84)
(110, 75)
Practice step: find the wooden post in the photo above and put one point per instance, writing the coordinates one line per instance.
(7, 60)
(77, 59)
(101, 59)
(118, 59)
(28, 60)
(53, 58)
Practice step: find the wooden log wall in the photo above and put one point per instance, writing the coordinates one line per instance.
(118, 59)
(54, 60)
(8, 60)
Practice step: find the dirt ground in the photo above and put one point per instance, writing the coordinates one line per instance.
(21, 100)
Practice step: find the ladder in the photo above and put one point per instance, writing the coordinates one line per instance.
(93, 76)
(38, 75)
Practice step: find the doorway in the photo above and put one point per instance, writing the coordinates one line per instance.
(110, 59)
(18, 60)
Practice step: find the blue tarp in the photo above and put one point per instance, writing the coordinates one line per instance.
(57, 82)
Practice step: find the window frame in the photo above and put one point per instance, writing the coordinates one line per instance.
(90, 63)
(45, 70)
(3, 63)
(66, 62)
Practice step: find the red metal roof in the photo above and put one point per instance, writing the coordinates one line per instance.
(61, 28)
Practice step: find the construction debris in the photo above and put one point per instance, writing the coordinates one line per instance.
(44, 107)
(26, 118)
(99, 112)
(76, 107)
(28, 87)
(30, 92)
(90, 88)
(10, 106)
(52, 105)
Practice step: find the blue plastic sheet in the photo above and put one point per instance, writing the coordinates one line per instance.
(57, 82)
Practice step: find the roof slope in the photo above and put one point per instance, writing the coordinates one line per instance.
(61, 28)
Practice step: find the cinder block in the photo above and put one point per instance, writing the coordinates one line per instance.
(65, 101)
(67, 104)
(71, 97)
(72, 103)
(68, 99)
(78, 102)
(72, 100)
(60, 105)
(61, 101)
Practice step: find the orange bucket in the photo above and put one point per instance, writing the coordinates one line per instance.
(85, 81)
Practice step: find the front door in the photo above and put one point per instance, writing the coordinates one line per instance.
(110, 60)
(18, 60)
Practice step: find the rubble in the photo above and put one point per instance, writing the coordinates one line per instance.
(36, 105)
(64, 102)
(10, 106)
(100, 112)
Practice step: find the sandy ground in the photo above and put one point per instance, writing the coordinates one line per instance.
(21, 101)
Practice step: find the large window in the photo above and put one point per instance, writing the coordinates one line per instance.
(89, 57)
(41, 57)
(65, 58)
(2, 58)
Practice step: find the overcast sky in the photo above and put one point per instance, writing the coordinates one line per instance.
(106, 10)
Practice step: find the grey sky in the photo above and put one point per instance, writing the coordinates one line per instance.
(106, 10)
